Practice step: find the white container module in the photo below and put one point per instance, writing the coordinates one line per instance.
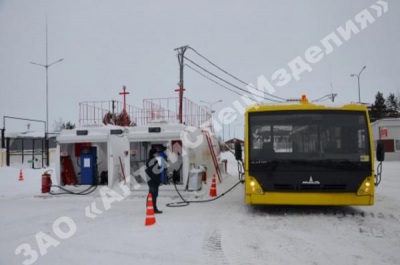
(92, 155)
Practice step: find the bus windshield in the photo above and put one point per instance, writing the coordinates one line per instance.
(308, 135)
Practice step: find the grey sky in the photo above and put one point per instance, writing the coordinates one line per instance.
(107, 44)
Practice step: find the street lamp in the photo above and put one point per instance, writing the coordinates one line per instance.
(47, 65)
(210, 104)
(358, 78)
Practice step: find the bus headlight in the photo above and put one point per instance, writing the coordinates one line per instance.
(253, 186)
(367, 184)
(365, 187)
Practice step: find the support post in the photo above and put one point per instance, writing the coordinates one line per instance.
(181, 53)
(8, 152)
(46, 143)
(3, 140)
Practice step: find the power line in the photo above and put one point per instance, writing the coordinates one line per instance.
(212, 80)
(326, 97)
(231, 75)
(210, 73)
(223, 80)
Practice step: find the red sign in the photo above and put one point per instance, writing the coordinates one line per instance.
(384, 132)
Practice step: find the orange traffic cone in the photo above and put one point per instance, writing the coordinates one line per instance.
(21, 175)
(213, 190)
(150, 217)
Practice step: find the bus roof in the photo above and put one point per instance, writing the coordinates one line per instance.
(304, 105)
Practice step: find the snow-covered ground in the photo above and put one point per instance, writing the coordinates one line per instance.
(56, 229)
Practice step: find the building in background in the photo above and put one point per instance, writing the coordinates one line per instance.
(27, 148)
(388, 131)
(231, 143)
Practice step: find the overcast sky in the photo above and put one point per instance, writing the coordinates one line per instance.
(108, 44)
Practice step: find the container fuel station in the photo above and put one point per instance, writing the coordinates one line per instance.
(92, 156)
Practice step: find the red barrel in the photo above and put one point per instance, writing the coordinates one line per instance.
(204, 176)
(46, 182)
(203, 173)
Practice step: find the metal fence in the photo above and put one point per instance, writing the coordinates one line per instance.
(31, 150)
(157, 109)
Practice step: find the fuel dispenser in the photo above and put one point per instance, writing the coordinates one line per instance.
(88, 161)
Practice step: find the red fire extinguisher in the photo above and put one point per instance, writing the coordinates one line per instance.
(46, 182)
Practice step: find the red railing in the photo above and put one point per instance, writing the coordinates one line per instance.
(168, 109)
(158, 109)
(94, 112)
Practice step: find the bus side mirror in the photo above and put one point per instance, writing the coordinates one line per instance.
(380, 151)
(238, 151)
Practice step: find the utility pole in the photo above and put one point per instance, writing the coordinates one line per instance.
(181, 53)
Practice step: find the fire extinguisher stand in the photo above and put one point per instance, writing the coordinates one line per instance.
(46, 181)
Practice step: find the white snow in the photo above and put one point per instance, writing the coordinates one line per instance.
(225, 231)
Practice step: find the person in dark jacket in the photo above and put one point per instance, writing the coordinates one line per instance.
(162, 159)
(153, 171)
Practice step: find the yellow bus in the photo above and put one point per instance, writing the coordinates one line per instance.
(300, 153)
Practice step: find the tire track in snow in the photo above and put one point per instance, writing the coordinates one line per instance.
(371, 226)
(212, 248)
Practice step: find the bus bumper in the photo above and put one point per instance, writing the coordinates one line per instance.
(292, 198)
